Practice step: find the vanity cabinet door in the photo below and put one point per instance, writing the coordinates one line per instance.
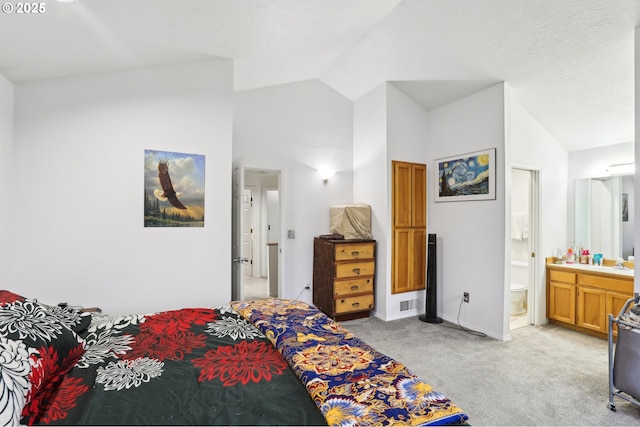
(562, 302)
(614, 303)
(591, 309)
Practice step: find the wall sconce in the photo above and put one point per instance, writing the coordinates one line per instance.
(622, 169)
(326, 174)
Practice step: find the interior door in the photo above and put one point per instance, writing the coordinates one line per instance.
(247, 233)
(237, 187)
(273, 216)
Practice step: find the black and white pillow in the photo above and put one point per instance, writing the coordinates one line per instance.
(38, 347)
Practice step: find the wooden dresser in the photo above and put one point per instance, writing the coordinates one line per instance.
(343, 277)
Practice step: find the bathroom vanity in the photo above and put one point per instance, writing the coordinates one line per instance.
(581, 296)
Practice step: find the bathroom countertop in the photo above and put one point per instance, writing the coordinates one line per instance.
(627, 272)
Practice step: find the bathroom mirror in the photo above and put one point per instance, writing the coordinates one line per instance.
(603, 221)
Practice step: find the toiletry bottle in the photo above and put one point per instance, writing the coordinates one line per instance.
(570, 255)
(578, 252)
(597, 258)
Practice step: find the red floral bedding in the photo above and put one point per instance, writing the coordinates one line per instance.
(189, 366)
(201, 366)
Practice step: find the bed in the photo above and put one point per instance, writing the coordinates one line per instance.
(269, 362)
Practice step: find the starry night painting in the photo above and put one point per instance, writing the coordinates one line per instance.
(466, 177)
(173, 189)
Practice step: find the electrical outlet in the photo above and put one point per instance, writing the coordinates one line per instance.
(465, 297)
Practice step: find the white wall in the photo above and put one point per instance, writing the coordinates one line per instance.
(79, 159)
(636, 144)
(371, 182)
(593, 162)
(7, 187)
(471, 234)
(298, 128)
(407, 136)
(531, 145)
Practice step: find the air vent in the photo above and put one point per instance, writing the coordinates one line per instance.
(411, 304)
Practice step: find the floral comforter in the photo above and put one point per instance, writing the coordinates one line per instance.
(183, 367)
(351, 383)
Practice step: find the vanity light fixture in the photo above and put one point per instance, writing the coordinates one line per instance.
(621, 169)
(326, 174)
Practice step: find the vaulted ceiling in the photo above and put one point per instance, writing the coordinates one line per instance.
(570, 63)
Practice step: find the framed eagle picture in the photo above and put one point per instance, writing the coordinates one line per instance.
(173, 189)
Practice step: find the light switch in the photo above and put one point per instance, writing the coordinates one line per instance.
(291, 234)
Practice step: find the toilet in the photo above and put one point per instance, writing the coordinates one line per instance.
(518, 299)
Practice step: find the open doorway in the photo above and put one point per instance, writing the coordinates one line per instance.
(260, 231)
(524, 225)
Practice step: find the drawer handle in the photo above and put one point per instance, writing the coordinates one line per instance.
(356, 270)
(355, 304)
(354, 287)
(355, 253)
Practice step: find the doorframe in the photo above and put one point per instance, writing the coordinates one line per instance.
(536, 295)
(281, 172)
(237, 189)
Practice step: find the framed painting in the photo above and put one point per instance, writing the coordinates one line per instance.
(173, 189)
(470, 176)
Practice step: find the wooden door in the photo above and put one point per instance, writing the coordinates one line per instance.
(409, 260)
(409, 245)
(562, 302)
(614, 303)
(402, 194)
(419, 195)
(591, 308)
(419, 267)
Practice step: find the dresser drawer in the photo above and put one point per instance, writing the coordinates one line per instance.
(350, 287)
(354, 269)
(346, 305)
(353, 251)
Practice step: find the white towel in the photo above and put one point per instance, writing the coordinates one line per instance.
(519, 226)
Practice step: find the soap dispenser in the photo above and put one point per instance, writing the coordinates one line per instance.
(570, 255)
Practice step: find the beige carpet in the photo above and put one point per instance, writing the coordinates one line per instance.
(255, 288)
(545, 376)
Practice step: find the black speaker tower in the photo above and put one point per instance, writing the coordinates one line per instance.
(431, 310)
